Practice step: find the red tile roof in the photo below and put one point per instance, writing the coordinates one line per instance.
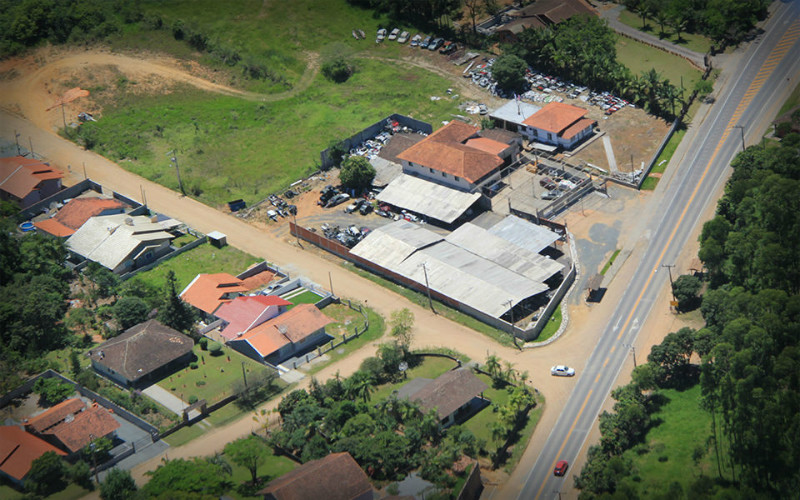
(79, 210)
(18, 450)
(245, 313)
(335, 477)
(577, 127)
(78, 432)
(207, 291)
(52, 226)
(487, 145)
(294, 326)
(555, 117)
(52, 416)
(445, 151)
(19, 176)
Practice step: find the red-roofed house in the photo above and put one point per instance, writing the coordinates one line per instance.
(54, 415)
(559, 124)
(209, 291)
(242, 314)
(18, 450)
(334, 477)
(76, 432)
(26, 181)
(281, 337)
(456, 156)
(76, 212)
(541, 14)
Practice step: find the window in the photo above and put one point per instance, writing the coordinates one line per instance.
(456, 178)
(549, 136)
(431, 170)
(535, 133)
(444, 174)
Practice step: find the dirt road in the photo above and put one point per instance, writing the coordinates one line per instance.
(27, 94)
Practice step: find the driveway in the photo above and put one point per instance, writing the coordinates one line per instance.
(166, 398)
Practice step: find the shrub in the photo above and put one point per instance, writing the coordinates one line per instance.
(203, 343)
(192, 399)
(337, 70)
(193, 365)
(200, 383)
(215, 348)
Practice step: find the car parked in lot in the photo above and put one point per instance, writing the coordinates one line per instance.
(416, 39)
(424, 43)
(448, 47)
(394, 33)
(381, 35)
(338, 199)
(403, 38)
(366, 208)
(561, 468)
(562, 371)
(436, 43)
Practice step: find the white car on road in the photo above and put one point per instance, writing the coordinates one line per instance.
(562, 371)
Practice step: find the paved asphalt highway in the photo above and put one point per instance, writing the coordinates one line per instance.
(765, 71)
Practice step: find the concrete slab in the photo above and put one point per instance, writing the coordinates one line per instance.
(612, 160)
(166, 398)
(292, 376)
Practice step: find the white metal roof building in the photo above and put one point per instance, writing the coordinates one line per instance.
(471, 272)
(428, 198)
(524, 234)
(514, 112)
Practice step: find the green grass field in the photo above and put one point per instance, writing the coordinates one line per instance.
(202, 259)
(431, 367)
(375, 331)
(666, 455)
(792, 101)
(639, 58)
(697, 43)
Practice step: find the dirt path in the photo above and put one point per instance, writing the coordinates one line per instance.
(31, 85)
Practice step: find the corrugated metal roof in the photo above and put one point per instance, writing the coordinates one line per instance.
(524, 234)
(514, 112)
(385, 171)
(504, 253)
(394, 242)
(428, 198)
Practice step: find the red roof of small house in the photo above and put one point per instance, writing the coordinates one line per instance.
(207, 291)
(293, 326)
(555, 117)
(334, 477)
(445, 151)
(52, 226)
(55, 414)
(245, 313)
(18, 450)
(77, 432)
(577, 127)
(19, 176)
(77, 211)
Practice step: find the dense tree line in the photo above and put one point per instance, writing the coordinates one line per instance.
(723, 21)
(424, 14)
(749, 373)
(582, 49)
(25, 23)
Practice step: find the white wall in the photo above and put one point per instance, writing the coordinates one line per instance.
(437, 176)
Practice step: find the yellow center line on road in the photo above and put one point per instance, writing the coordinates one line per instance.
(605, 363)
(739, 110)
(597, 378)
(583, 407)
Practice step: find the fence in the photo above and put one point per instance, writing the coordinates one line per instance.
(70, 192)
(373, 130)
(472, 486)
(158, 261)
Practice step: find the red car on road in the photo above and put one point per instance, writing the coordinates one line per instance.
(561, 468)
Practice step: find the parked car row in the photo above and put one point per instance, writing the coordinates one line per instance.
(424, 42)
(282, 208)
(348, 236)
(363, 206)
(330, 197)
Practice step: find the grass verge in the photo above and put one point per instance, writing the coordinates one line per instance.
(374, 332)
(639, 58)
(610, 262)
(792, 101)
(501, 337)
(691, 41)
(551, 327)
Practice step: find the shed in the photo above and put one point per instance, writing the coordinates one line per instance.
(217, 239)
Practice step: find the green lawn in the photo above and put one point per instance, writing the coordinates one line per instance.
(551, 327)
(273, 466)
(697, 43)
(610, 261)
(217, 375)
(667, 454)
(202, 259)
(792, 101)
(71, 492)
(307, 297)
(374, 332)
(431, 367)
(639, 58)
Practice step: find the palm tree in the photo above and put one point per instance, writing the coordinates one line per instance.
(493, 365)
(218, 460)
(359, 385)
(679, 21)
(662, 18)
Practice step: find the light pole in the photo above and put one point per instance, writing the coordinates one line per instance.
(741, 129)
(671, 283)
(174, 159)
(94, 459)
(424, 266)
(633, 350)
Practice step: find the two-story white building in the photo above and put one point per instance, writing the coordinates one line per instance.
(558, 124)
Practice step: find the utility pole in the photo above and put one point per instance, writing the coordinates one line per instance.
(671, 283)
(244, 375)
(510, 303)
(16, 141)
(94, 459)
(633, 351)
(330, 281)
(30, 141)
(174, 159)
(427, 285)
(741, 129)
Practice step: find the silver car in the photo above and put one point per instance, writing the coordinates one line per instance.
(394, 33)
(403, 38)
(381, 35)
(562, 371)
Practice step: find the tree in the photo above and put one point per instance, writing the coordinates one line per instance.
(174, 312)
(130, 311)
(359, 385)
(685, 288)
(117, 485)
(248, 452)
(47, 475)
(703, 88)
(105, 281)
(357, 173)
(402, 324)
(194, 478)
(474, 8)
(53, 390)
(337, 70)
(509, 71)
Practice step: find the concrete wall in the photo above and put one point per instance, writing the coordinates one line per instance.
(70, 192)
(153, 264)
